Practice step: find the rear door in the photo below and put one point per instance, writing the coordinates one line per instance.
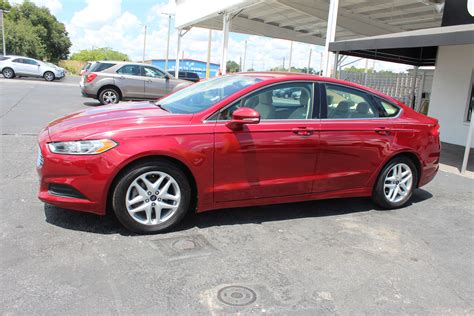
(275, 157)
(355, 137)
(19, 66)
(130, 81)
(32, 67)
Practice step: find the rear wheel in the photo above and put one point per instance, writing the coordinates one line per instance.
(8, 73)
(109, 96)
(396, 183)
(152, 197)
(48, 76)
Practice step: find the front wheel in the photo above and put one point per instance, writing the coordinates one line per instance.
(48, 76)
(396, 183)
(151, 197)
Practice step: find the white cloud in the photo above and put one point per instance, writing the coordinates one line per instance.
(53, 5)
(96, 13)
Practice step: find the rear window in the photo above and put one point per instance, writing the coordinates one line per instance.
(100, 67)
(4, 58)
(390, 109)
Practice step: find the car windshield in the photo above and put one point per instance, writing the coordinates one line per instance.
(203, 95)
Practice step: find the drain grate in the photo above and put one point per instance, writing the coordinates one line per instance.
(236, 295)
(182, 247)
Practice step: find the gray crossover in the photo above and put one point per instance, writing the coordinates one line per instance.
(110, 82)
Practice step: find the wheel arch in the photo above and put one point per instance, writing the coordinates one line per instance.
(403, 153)
(150, 158)
(110, 85)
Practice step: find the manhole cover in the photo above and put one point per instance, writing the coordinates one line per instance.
(236, 295)
(184, 244)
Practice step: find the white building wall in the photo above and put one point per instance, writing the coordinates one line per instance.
(450, 92)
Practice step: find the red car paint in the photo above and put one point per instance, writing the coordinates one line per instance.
(265, 163)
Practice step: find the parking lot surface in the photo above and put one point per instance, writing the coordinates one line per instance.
(316, 257)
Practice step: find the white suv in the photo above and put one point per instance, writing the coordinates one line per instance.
(19, 66)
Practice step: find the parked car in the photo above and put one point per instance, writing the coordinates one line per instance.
(85, 69)
(228, 142)
(19, 66)
(188, 75)
(109, 82)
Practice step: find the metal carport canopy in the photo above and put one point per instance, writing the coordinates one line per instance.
(417, 48)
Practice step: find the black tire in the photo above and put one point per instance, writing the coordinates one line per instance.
(378, 195)
(109, 96)
(49, 76)
(120, 194)
(8, 73)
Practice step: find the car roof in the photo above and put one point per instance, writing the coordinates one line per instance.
(289, 76)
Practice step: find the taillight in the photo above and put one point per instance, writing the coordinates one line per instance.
(90, 77)
(435, 130)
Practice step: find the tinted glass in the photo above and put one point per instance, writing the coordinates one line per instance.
(290, 101)
(347, 103)
(4, 58)
(201, 96)
(152, 72)
(97, 67)
(132, 70)
(18, 60)
(30, 62)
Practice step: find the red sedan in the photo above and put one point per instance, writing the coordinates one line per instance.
(234, 141)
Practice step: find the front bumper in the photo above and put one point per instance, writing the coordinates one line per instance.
(89, 175)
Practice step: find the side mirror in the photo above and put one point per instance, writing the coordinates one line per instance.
(243, 116)
(167, 77)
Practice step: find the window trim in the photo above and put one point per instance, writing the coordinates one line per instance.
(209, 119)
(139, 67)
(163, 75)
(371, 100)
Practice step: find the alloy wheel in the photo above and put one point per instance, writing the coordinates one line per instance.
(8, 73)
(398, 183)
(110, 97)
(153, 198)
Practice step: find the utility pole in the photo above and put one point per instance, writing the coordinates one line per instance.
(144, 45)
(208, 64)
(283, 67)
(245, 56)
(309, 60)
(3, 32)
(291, 53)
(168, 41)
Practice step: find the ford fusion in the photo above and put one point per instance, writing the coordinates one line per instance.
(236, 141)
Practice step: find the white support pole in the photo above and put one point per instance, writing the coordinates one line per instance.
(245, 56)
(225, 41)
(3, 33)
(208, 64)
(291, 54)
(309, 60)
(144, 46)
(178, 54)
(366, 71)
(330, 36)
(168, 42)
(336, 62)
(413, 87)
(467, 149)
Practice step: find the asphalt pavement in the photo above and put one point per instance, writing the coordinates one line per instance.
(317, 257)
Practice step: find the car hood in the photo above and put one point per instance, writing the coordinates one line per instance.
(109, 120)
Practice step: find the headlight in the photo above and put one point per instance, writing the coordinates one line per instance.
(82, 147)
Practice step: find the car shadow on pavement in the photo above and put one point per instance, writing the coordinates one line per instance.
(92, 103)
(246, 215)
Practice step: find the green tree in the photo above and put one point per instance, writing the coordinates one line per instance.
(33, 31)
(232, 66)
(103, 53)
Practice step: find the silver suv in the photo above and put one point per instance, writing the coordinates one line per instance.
(19, 66)
(110, 82)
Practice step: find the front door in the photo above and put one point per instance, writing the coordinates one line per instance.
(275, 157)
(157, 84)
(355, 136)
(130, 81)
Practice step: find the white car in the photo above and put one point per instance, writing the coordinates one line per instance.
(19, 66)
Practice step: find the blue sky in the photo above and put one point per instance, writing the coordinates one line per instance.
(119, 24)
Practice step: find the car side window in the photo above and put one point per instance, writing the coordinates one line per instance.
(132, 70)
(347, 103)
(152, 72)
(389, 109)
(290, 101)
(30, 62)
(18, 60)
